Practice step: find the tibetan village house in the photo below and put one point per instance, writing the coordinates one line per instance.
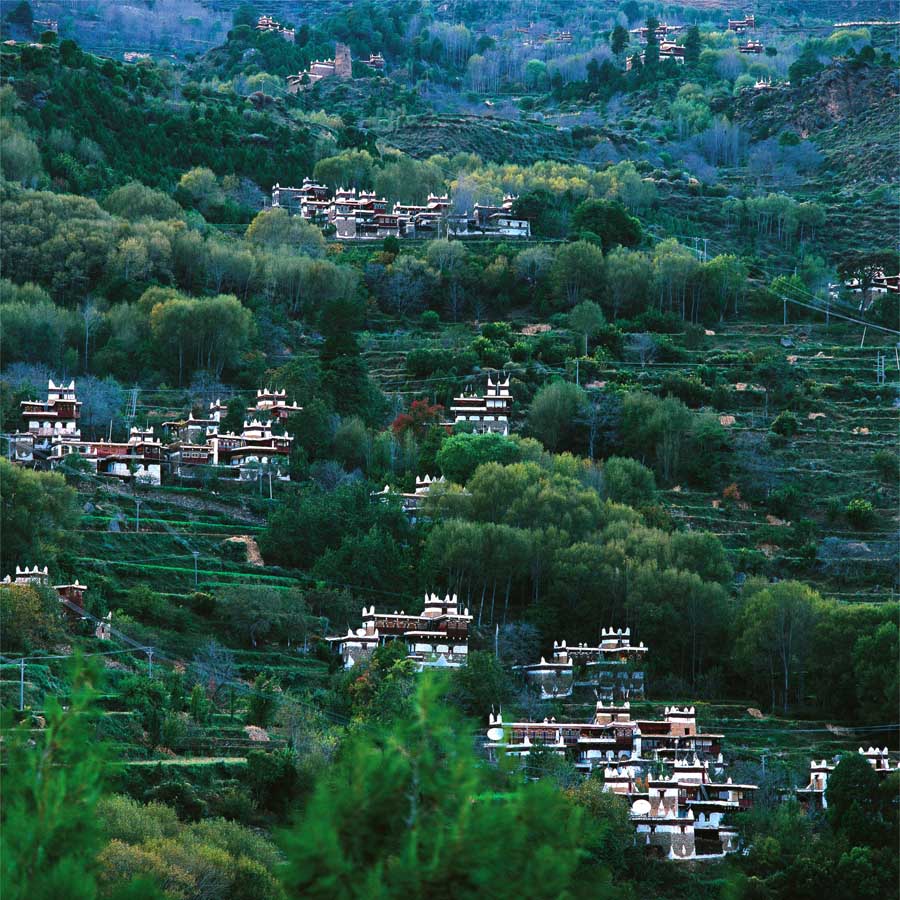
(614, 668)
(268, 24)
(47, 422)
(813, 797)
(412, 502)
(489, 413)
(436, 637)
(741, 25)
(200, 442)
(53, 435)
(273, 405)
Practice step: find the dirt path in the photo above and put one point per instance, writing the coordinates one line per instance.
(254, 557)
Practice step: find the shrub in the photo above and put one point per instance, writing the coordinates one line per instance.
(627, 481)
(860, 513)
(430, 319)
(785, 424)
(199, 705)
(690, 391)
(461, 454)
(263, 702)
(784, 501)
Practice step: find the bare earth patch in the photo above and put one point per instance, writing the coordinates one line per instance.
(254, 557)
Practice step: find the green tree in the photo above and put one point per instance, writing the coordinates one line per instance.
(608, 813)
(263, 702)
(577, 273)
(629, 277)
(692, 46)
(37, 514)
(481, 684)
(49, 833)
(422, 774)
(29, 617)
(461, 454)
(135, 201)
(852, 795)
(450, 259)
(350, 169)
(619, 40)
(609, 221)
(233, 420)
(200, 188)
(276, 229)
(554, 414)
(775, 637)
(651, 53)
(627, 481)
(875, 673)
(587, 319)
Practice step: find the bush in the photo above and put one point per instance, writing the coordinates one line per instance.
(690, 391)
(461, 454)
(785, 424)
(860, 513)
(784, 501)
(627, 481)
(273, 778)
(430, 319)
(263, 702)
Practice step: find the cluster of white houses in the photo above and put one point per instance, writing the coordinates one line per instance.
(361, 214)
(436, 637)
(53, 435)
(665, 768)
(614, 668)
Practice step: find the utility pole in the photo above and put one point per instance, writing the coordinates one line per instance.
(138, 524)
(150, 663)
(21, 684)
(270, 484)
(196, 554)
(577, 376)
(880, 367)
(784, 300)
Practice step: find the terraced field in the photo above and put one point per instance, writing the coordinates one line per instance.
(844, 416)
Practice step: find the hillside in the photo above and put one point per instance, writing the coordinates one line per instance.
(449, 449)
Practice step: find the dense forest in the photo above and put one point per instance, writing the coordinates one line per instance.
(696, 337)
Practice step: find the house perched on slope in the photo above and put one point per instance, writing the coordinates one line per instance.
(488, 413)
(614, 668)
(436, 637)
